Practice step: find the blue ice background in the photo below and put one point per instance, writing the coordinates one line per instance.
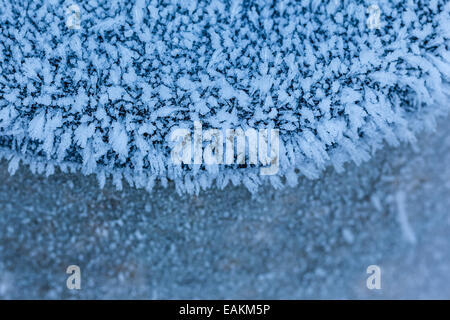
(312, 241)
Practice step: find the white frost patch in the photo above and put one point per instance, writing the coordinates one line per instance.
(407, 231)
(119, 139)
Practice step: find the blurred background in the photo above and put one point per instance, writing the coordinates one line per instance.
(312, 241)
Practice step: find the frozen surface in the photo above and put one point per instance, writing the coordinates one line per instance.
(104, 95)
(81, 105)
(312, 241)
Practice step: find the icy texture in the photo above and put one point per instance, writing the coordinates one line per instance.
(312, 241)
(103, 98)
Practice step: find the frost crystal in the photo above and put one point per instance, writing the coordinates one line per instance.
(102, 95)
